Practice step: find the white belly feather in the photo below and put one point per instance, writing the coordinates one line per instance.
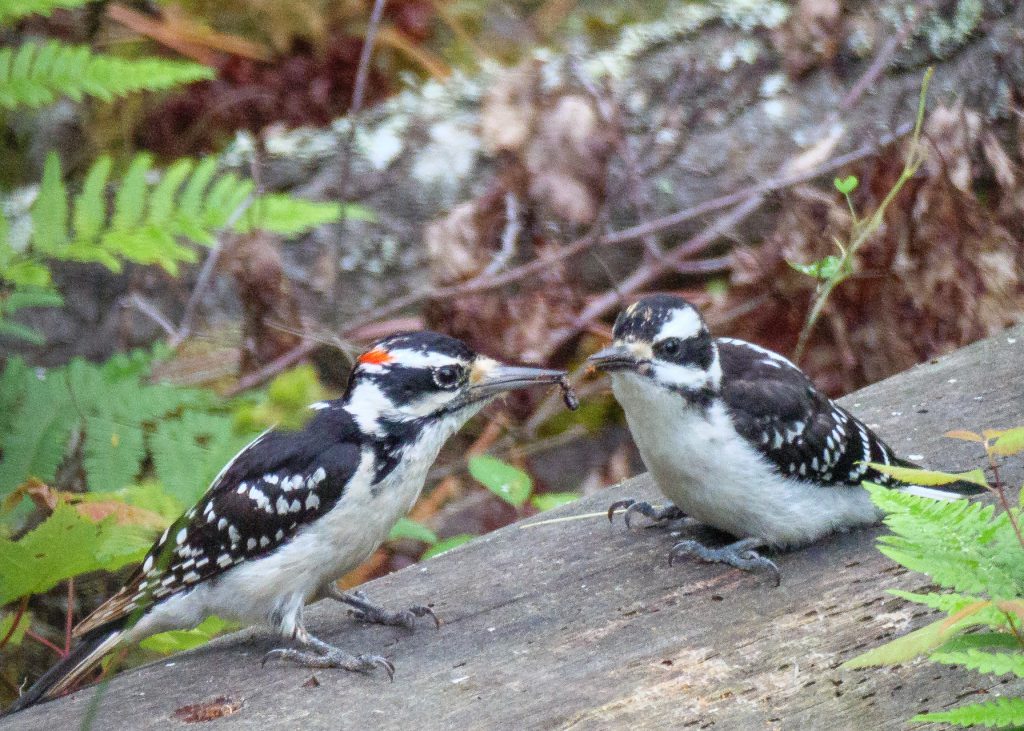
(712, 474)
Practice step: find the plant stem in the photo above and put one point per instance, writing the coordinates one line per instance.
(864, 231)
(17, 620)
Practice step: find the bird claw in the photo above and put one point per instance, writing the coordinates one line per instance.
(658, 515)
(366, 611)
(741, 555)
(332, 657)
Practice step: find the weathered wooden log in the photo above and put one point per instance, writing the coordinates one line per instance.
(578, 624)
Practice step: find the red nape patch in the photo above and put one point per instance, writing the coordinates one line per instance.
(375, 357)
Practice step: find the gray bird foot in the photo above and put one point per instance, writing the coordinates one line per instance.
(323, 655)
(741, 554)
(366, 611)
(658, 515)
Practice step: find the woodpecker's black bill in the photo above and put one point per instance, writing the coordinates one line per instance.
(503, 378)
(615, 358)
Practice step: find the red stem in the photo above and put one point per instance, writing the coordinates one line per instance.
(43, 641)
(69, 618)
(17, 620)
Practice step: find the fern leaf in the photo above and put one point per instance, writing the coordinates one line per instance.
(35, 74)
(113, 452)
(130, 201)
(189, 452)
(35, 444)
(997, 663)
(11, 10)
(993, 714)
(50, 212)
(961, 545)
(90, 204)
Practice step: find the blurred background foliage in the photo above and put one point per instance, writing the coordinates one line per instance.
(194, 243)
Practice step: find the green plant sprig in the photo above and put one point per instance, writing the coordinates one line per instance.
(839, 269)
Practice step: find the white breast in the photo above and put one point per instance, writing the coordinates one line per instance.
(710, 472)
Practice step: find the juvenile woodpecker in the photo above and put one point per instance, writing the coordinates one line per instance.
(296, 510)
(738, 438)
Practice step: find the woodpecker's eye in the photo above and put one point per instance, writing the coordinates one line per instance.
(669, 347)
(448, 376)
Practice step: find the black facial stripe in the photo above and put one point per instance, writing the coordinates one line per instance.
(402, 384)
(698, 351)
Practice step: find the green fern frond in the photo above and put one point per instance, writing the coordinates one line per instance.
(994, 714)
(35, 74)
(997, 663)
(146, 221)
(11, 10)
(960, 544)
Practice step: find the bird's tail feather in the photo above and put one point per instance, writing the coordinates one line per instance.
(941, 492)
(82, 658)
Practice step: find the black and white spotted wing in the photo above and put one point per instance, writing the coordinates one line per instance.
(278, 483)
(805, 434)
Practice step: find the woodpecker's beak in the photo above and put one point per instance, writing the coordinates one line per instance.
(490, 378)
(615, 358)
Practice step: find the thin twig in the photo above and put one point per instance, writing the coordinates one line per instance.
(69, 617)
(671, 262)
(272, 368)
(43, 641)
(147, 308)
(359, 90)
(206, 273)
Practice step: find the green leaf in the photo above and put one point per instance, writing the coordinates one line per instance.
(408, 528)
(846, 185)
(50, 211)
(90, 204)
(113, 452)
(1009, 442)
(35, 444)
(549, 500)
(11, 10)
(65, 545)
(287, 215)
(131, 195)
(36, 74)
(904, 648)
(507, 482)
(22, 298)
(914, 476)
(167, 643)
(189, 452)
(446, 544)
(997, 663)
(12, 329)
(824, 269)
(992, 714)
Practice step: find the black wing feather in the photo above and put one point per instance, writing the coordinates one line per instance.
(277, 484)
(802, 432)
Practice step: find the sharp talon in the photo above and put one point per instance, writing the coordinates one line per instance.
(618, 504)
(273, 653)
(424, 611)
(741, 555)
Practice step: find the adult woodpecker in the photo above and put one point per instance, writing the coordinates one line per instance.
(738, 438)
(296, 510)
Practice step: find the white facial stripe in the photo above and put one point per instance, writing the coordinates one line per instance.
(429, 404)
(680, 376)
(418, 359)
(366, 403)
(683, 323)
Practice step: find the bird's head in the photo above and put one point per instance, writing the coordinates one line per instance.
(420, 376)
(662, 340)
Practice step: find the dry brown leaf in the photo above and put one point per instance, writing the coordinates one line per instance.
(211, 710)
